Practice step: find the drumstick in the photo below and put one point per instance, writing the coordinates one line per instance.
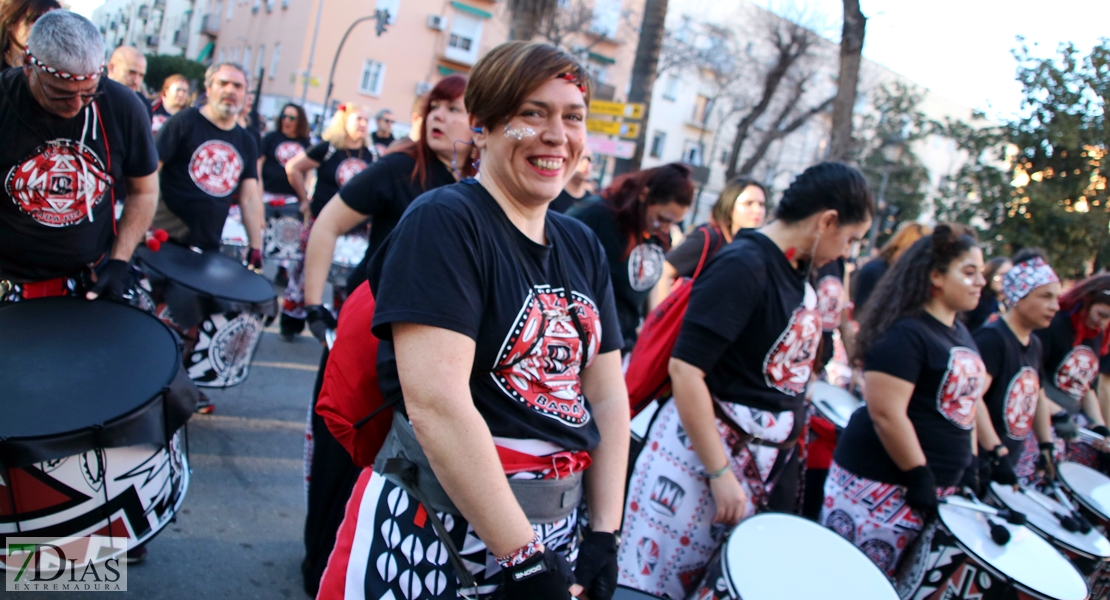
(1090, 436)
(1011, 516)
(1084, 525)
(1066, 521)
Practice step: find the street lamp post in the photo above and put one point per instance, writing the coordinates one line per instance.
(382, 16)
(892, 152)
(312, 51)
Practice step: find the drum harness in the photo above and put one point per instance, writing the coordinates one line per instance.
(402, 459)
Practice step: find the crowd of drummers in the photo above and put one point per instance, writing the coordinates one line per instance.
(471, 421)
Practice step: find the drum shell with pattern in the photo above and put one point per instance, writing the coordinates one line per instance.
(349, 252)
(234, 243)
(285, 230)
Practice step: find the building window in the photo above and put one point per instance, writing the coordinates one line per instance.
(373, 73)
(658, 140)
(391, 5)
(258, 64)
(702, 106)
(724, 157)
(230, 9)
(670, 88)
(462, 43)
(246, 62)
(691, 153)
(274, 60)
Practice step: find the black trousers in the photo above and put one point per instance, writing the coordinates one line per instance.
(331, 480)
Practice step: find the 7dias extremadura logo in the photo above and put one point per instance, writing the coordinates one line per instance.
(86, 564)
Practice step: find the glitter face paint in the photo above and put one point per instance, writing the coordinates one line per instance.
(519, 133)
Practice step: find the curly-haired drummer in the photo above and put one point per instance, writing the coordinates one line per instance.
(500, 335)
(924, 378)
(739, 372)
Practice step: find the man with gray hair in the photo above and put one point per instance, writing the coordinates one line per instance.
(383, 136)
(70, 135)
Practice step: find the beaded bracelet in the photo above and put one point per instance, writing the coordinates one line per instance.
(521, 554)
(719, 472)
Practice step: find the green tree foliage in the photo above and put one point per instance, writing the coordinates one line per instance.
(161, 66)
(893, 116)
(1041, 180)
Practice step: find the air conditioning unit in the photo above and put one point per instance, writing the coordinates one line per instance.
(437, 22)
(423, 88)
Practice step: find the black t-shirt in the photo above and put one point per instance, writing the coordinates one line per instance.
(830, 303)
(686, 256)
(278, 149)
(337, 168)
(1072, 369)
(1015, 371)
(456, 262)
(944, 365)
(383, 142)
(564, 202)
(202, 168)
(866, 279)
(146, 103)
(383, 191)
(752, 326)
(158, 118)
(981, 314)
(634, 272)
(56, 214)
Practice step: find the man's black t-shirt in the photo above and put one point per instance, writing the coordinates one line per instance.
(56, 214)
(278, 149)
(382, 142)
(383, 191)
(752, 326)
(564, 202)
(686, 256)
(830, 303)
(944, 365)
(158, 118)
(337, 168)
(1015, 371)
(1072, 369)
(456, 262)
(202, 169)
(635, 272)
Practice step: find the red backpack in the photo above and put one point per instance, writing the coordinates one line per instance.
(350, 400)
(646, 376)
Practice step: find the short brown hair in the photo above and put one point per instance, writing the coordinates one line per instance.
(502, 79)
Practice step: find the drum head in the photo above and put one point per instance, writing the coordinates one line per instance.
(774, 556)
(833, 403)
(68, 364)
(1088, 486)
(210, 273)
(1027, 560)
(1091, 544)
(624, 593)
(350, 250)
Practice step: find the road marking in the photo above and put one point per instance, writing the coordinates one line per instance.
(249, 422)
(285, 365)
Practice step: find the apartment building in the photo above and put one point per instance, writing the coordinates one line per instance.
(152, 26)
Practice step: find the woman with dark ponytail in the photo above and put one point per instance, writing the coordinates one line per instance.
(739, 371)
(924, 378)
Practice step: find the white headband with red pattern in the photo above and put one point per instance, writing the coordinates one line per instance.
(62, 74)
(1025, 277)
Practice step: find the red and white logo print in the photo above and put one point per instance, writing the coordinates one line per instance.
(285, 152)
(789, 363)
(156, 123)
(1021, 403)
(59, 184)
(830, 301)
(541, 357)
(961, 387)
(1077, 371)
(348, 169)
(645, 266)
(215, 167)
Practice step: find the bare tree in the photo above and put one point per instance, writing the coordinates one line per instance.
(644, 67)
(783, 125)
(851, 51)
(527, 16)
(565, 27)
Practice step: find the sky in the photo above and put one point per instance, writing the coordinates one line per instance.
(961, 49)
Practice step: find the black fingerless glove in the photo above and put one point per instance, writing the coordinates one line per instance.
(1046, 460)
(975, 474)
(254, 259)
(320, 320)
(596, 569)
(1065, 427)
(921, 489)
(112, 280)
(1102, 430)
(544, 576)
(1001, 470)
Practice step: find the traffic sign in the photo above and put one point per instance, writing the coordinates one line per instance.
(603, 108)
(608, 147)
(625, 130)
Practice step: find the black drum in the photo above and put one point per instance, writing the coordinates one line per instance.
(91, 422)
(216, 303)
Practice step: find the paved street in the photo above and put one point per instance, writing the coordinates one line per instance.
(239, 533)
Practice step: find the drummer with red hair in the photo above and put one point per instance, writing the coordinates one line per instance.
(1078, 335)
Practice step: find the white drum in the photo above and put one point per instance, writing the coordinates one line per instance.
(349, 251)
(833, 403)
(956, 557)
(1091, 544)
(776, 556)
(1089, 487)
(234, 242)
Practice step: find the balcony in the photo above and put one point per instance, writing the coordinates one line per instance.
(160, 4)
(152, 41)
(210, 25)
(181, 38)
(144, 12)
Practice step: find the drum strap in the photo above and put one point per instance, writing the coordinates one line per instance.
(747, 438)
